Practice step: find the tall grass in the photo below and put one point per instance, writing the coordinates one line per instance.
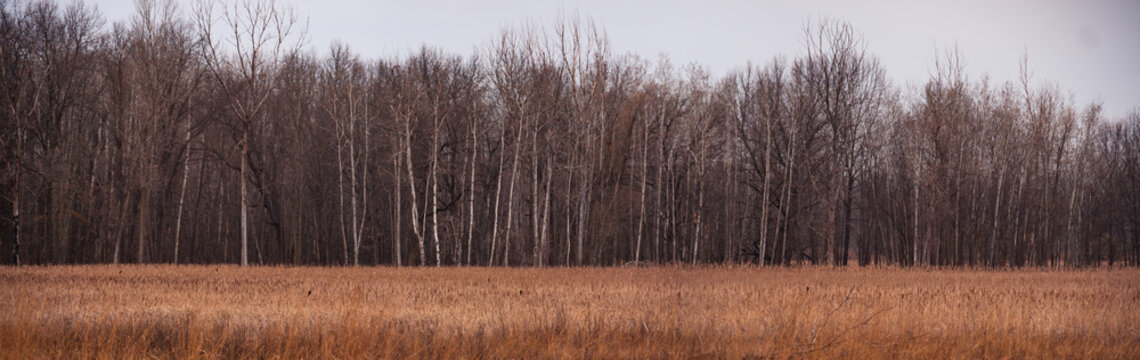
(206, 312)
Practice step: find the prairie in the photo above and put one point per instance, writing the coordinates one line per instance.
(196, 312)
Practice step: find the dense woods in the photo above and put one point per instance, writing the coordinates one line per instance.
(211, 134)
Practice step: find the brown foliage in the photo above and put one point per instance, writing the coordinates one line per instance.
(655, 312)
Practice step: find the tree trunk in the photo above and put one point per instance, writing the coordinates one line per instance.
(363, 192)
(352, 169)
(847, 203)
(658, 197)
(124, 212)
(142, 225)
(545, 217)
(498, 198)
(536, 203)
(699, 215)
(182, 194)
(511, 198)
(16, 227)
(396, 217)
(786, 203)
(16, 197)
(244, 197)
(219, 232)
(730, 245)
(569, 211)
(340, 191)
(764, 189)
(471, 193)
(412, 184)
(644, 183)
(583, 201)
(435, 190)
(997, 215)
(915, 253)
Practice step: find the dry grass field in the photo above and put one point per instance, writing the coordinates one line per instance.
(113, 312)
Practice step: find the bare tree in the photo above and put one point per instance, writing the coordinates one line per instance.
(262, 35)
(169, 137)
(162, 56)
(584, 50)
(345, 91)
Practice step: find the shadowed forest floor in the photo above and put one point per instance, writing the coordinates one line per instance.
(163, 311)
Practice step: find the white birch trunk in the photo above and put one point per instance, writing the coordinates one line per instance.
(412, 184)
(511, 198)
(182, 194)
(498, 199)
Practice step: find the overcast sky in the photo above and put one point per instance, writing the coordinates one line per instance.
(1089, 48)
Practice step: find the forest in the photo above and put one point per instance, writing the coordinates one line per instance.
(215, 134)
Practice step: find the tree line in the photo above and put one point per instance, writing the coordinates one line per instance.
(210, 135)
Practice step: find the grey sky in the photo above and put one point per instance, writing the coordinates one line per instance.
(1090, 48)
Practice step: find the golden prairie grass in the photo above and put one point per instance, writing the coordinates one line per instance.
(113, 312)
